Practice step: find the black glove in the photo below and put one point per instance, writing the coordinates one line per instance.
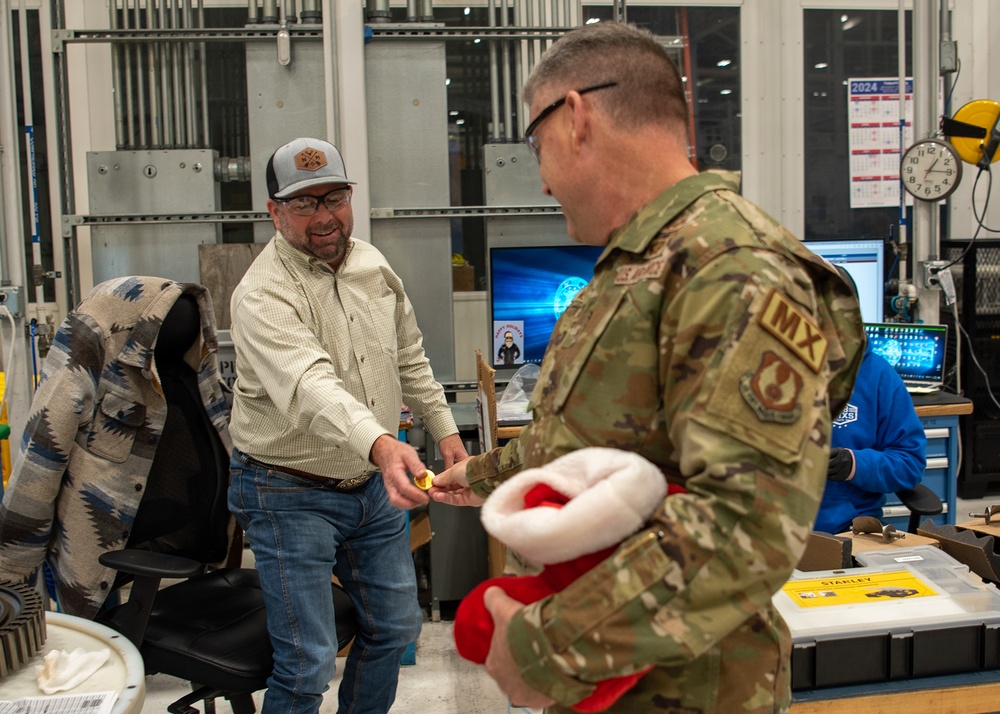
(841, 464)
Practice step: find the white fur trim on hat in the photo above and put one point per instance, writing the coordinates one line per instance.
(611, 492)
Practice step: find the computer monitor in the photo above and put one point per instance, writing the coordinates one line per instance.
(529, 288)
(865, 261)
(915, 351)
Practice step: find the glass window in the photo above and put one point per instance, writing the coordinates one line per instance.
(840, 45)
(708, 57)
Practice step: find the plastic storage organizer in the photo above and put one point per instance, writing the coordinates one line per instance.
(905, 613)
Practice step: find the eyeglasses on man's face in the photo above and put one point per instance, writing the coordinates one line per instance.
(529, 134)
(308, 205)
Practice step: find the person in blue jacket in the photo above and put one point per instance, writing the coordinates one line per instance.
(877, 447)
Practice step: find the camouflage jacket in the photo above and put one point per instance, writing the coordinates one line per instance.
(712, 343)
(95, 423)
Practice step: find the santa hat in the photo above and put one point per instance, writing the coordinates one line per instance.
(611, 495)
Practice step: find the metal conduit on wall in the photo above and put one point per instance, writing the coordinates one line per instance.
(160, 89)
(506, 58)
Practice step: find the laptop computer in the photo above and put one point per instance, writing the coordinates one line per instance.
(915, 351)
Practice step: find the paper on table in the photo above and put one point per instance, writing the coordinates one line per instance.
(91, 703)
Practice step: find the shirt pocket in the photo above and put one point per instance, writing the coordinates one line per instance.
(115, 427)
(382, 318)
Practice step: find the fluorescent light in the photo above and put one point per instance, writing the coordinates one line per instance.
(820, 65)
(723, 63)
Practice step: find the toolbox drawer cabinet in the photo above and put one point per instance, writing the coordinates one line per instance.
(940, 475)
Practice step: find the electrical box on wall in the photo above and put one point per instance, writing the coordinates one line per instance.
(161, 183)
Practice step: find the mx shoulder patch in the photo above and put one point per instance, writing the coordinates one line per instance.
(795, 329)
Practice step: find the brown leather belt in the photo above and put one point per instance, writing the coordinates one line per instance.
(346, 485)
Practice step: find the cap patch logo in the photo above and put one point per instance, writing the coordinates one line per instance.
(772, 391)
(310, 160)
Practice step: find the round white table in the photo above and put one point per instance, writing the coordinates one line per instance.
(123, 673)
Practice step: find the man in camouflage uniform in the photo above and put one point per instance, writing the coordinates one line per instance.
(709, 341)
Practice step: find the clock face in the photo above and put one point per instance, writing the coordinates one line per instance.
(930, 170)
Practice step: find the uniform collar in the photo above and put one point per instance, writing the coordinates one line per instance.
(636, 235)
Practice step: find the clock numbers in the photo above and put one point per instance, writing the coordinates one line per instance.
(930, 170)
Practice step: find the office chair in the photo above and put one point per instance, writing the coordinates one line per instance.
(211, 627)
(922, 502)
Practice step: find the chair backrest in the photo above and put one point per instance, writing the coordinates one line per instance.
(184, 508)
(487, 402)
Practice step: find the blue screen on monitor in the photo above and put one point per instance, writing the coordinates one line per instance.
(915, 351)
(529, 288)
(865, 261)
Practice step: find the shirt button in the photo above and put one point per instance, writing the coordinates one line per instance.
(362, 359)
(373, 402)
(151, 439)
(125, 535)
(138, 487)
(352, 318)
(104, 586)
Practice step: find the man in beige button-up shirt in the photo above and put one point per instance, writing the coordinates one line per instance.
(328, 350)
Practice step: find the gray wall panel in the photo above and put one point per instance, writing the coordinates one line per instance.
(408, 154)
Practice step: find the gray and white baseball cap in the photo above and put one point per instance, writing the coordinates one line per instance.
(302, 163)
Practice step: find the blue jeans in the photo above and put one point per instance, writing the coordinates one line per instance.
(301, 532)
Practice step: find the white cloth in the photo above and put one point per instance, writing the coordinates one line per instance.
(611, 493)
(64, 670)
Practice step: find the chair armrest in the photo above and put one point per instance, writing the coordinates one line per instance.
(921, 500)
(149, 564)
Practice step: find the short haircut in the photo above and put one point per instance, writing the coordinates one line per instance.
(848, 278)
(649, 88)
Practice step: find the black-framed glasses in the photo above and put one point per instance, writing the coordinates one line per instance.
(308, 205)
(529, 133)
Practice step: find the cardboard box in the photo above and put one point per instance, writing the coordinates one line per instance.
(825, 552)
(972, 543)
(864, 542)
(463, 278)
(834, 552)
(420, 530)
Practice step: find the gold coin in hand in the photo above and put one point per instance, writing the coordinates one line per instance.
(426, 481)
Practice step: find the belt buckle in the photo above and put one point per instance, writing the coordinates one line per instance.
(355, 482)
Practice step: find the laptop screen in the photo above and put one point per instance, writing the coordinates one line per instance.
(915, 351)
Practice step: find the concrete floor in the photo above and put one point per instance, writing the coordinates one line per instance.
(440, 682)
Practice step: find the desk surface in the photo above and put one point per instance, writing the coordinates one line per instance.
(941, 404)
(936, 404)
(123, 673)
(952, 694)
